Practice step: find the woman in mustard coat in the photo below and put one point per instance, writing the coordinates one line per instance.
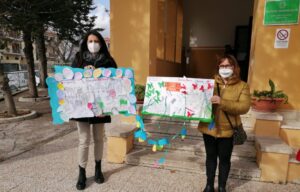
(235, 100)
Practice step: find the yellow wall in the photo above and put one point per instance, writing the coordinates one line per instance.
(130, 35)
(147, 36)
(169, 37)
(294, 172)
(281, 65)
(153, 36)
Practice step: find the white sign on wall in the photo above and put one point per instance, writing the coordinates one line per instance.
(282, 37)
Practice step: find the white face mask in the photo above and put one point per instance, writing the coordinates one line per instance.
(225, 73)
(93, 47)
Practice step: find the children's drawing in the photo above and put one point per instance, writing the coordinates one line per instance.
(186, 98)
(79, 93)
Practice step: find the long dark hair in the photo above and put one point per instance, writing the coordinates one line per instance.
(83, 47)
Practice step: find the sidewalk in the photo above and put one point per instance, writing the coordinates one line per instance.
(18, 137)
(53, 166)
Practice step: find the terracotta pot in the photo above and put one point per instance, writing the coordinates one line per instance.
(266, 104)
(139, 107)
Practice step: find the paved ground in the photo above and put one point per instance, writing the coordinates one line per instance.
(53, 167)
(22, 136)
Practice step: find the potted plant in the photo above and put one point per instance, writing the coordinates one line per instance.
(139, 93)
(268, 100)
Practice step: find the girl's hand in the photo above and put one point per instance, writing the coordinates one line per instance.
(101, 116)
(215, 99)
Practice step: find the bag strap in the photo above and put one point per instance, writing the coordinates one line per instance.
(218, 88)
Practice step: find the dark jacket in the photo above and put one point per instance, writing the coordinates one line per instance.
(104, 62)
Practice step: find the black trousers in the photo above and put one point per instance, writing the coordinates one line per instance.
(217, 148)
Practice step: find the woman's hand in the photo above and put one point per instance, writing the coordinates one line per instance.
(215, 99)
(101, 116)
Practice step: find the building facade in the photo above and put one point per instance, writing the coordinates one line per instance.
(176, 37)
(12, 55)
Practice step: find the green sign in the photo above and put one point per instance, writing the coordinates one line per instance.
(281, 12)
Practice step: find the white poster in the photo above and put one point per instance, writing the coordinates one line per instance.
(282, 37)
(186, 98)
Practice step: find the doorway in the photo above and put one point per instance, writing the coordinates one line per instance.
(209, 27)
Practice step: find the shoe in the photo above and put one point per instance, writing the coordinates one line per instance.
(221, 189)
(209, 188)
(81, 179)
(99, 178)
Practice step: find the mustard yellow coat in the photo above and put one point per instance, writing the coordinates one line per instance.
(235, 100)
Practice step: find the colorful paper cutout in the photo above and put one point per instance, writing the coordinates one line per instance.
(61, 102)
(119, 73)
(141, 135)
(128, 74)
(78, 76)
(162, 160)
(64, 117)
(88, 73)
(183, 132)
(90, 105)
(97, 73)
(58, 77)
(132, 109)
(60, 94)
(60, 86)
(68, 73)
(107, 73)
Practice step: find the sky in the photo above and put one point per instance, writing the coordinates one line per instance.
(103, 20)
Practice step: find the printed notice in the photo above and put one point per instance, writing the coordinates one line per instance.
(282, 37)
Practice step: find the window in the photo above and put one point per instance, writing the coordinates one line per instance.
(7, 58)
(16, 58)
(14, 34)
(16, 48)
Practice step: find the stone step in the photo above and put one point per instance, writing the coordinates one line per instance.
(196, 145)
(247, 120)
(293, 159)
(172, 129)
(187, 162)
(272, 145)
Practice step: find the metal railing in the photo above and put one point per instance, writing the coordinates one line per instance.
(19, 79)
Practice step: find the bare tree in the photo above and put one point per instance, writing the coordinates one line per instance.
(4, 82)
(65, 50)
